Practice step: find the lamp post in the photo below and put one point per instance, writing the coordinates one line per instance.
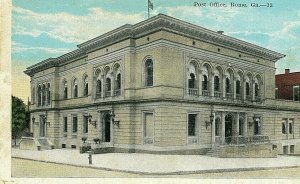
(211, 118)
(113, 116)
(92, 122)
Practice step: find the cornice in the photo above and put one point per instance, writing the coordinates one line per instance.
(154, 24)
(172, 100)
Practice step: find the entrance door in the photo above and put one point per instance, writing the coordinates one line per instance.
(106, 127)
(228, 126)
(43, 126)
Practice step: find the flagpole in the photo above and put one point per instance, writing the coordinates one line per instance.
(148, 10)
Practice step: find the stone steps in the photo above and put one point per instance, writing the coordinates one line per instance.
(214, 152)
(45, 144)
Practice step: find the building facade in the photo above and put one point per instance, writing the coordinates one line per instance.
(287, 86)
(162, 85)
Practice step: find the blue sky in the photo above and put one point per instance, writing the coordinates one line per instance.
(43, 29)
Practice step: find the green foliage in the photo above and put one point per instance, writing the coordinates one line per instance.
(19, 116)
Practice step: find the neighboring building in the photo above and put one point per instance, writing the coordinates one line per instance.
(287, 86)
(163, 85)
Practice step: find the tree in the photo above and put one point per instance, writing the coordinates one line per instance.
(19, 117)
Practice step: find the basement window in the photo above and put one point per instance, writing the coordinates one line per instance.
(292, 148)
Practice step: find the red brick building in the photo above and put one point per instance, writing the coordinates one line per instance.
(287, 85)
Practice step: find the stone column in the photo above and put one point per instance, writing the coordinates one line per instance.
(245, 128)
(234, 88)
(261, 90)
(212, 84)
(244, 89)
(94, 88)
(237, 124)
(112, 91)
(223, 127)
(253, 90)
(200, 77)
(186, 81)
(102, 86)
(213, 128)
(224, 85)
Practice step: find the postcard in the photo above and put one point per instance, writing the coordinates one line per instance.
(150, 91)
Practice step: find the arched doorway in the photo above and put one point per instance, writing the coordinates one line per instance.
(106, 128)
(43, 127)
(228, 125)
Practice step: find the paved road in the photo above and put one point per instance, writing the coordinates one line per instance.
(28, 168)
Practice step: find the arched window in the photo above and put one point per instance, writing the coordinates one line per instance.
(256, 90)
(48, 94)
(205, 82)
(65, 90)
(238, 87)
(86, 86)
(39, 94)
(118, 85)
(247, 88)
(99, 88)
(206, 72)
(192, 81)
(75, 88)
(228, 85)
(149, 72)
(108, 87)
(43, 95)
(217, 83)
(33, 95)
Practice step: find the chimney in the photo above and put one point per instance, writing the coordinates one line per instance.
(287, 71)
(220, 32)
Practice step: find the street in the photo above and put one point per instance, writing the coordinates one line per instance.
(29, 168)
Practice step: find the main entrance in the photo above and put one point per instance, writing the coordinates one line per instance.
(43, 127)
(228, 125)
(106, 128)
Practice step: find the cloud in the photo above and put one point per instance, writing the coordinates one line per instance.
(69, 28)
(18, 47)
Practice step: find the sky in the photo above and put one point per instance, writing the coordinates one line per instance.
(43, 28)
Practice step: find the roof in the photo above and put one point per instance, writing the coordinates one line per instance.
(156, 23)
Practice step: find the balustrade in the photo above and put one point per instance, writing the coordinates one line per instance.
(246, 140)
(193, 92)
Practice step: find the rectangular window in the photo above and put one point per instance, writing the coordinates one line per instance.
(291, 128)
(148, 125)
(241, 126)
(283, 129)
(257, 126)
(66, 93)
(192, 124)
(285, 149)
(296, 93)
(292, 148)
(75, 124)
(85, 124)
(65, 124)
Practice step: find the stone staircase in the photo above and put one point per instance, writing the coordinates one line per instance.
(45, 144)
(214, 151)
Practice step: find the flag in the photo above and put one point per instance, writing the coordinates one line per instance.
(150, 4)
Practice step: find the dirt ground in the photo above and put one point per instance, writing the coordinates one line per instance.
(28, 168)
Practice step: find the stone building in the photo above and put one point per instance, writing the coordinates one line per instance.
(163, 86)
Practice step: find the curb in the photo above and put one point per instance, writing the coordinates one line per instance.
(165, 173)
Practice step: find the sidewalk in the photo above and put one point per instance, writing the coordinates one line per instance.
(156, 164)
